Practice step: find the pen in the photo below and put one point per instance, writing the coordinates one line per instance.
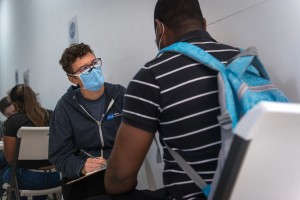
(86, 153)
(111, 116)
(91, 156)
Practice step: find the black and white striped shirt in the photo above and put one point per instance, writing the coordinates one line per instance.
(178, 97)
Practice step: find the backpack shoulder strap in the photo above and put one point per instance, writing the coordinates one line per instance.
(199, 181)
(248, 57)
(196, 53)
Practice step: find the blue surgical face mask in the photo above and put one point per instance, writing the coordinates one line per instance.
(94, 80)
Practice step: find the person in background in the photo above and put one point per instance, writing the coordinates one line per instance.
(85, 119)
(176, 96)
(7, 109)
(29, 113)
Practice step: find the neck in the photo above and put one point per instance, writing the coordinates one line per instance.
(173, 36)
(179, 34)
(91, 95)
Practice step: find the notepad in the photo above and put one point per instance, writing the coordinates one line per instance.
(87, 174)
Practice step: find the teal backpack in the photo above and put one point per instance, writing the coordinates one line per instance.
(243, 82)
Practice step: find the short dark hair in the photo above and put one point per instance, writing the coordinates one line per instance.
(4, 103)
(177, 14)
(72, 53)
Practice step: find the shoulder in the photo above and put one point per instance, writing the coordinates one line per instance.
(14, 122)
(69, 95)
(114, 90)
(159, 59)
(16, 117)
(221, 51)
(67, 98)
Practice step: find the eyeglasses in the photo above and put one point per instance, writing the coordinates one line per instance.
(86, 69)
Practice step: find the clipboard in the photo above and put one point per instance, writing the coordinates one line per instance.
(87, 175)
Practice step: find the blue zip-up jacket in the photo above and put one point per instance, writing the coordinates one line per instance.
(72, 128)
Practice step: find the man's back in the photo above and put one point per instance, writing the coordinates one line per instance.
(179, 97)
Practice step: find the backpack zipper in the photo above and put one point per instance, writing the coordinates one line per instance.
(244, 87)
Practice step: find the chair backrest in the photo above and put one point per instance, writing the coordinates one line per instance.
(33, 143)
(31, 147)
(263, 160)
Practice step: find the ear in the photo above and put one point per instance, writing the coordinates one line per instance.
(163, 35)
(204, 24)
(159, 28)
(16, 106)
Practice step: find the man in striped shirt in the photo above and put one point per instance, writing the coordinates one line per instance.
(176, 97)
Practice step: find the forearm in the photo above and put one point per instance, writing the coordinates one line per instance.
(9, 148)
(62, 152)
(128, 154)
(69, 165)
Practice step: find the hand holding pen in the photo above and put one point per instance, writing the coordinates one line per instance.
(92, 163)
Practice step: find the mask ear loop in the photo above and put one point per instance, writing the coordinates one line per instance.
(161, 34)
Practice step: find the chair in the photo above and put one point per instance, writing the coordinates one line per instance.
(263, 162)
(32, 145)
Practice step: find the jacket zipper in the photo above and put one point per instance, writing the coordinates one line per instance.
(100, 122)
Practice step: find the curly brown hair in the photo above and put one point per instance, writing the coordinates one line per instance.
(71, 54)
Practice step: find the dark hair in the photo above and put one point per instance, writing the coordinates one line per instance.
(4, 103)
(178, 14)
(25, 100)
(72, 53)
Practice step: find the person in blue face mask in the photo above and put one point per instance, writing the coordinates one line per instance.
(84, 123)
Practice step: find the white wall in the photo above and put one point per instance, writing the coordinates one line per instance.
(9, 23)
(271, 26)
(33, 35)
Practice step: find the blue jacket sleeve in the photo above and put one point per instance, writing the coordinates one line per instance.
(61, 148)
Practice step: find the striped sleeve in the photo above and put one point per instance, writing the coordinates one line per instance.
(141, 103)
